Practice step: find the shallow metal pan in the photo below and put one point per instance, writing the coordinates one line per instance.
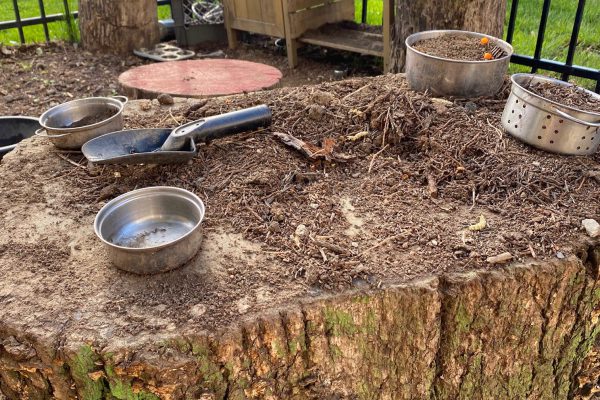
(151, 230)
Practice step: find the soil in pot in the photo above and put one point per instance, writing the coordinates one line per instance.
(92, 119)
(459, 47)
(571, 96)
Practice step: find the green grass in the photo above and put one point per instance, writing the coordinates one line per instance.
(558, 31)
(57, 30)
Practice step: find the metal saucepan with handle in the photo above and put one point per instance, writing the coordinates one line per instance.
(165, 146)
(62, 123)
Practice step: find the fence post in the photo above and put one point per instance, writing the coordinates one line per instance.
(18, 19)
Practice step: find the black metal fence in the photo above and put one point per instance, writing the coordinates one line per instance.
(566, 69)
(43, 19)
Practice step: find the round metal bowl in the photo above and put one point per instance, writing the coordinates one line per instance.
(65, 114)
(546, 124)
(446, 77)
(151, 230)
(13, 130)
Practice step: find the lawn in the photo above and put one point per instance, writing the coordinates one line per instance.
(557, 37)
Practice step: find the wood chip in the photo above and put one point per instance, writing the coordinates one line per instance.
(500, 258)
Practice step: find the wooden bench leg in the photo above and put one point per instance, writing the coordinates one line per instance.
(232, 38)
(292, 52)
(232, 34)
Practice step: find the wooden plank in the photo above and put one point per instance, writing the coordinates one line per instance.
(279, 19)
(257, 27)
(254, 10)
(229, 13)
(295, 5)
(346, 39)
(240, 9)
(290, 42)
(314, 18)
(267, 11)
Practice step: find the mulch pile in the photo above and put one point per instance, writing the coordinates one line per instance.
(387, 185)
(395, 176)
(457, 47)
(572, 95)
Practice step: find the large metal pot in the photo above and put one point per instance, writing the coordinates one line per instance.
(446, 77)
(546, 124)
(13, 130)
(151, 230)
(53, 121)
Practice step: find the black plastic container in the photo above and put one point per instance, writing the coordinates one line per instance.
(15, 129)
(190, 32)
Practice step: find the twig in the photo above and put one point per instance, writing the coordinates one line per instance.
(174, 119)
(375, 156)
(254, 213)
(432, 189)
(356, 91)
(384, 241)
(330, 246)
(71, 161)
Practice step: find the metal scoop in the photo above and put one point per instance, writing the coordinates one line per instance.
(166, 146)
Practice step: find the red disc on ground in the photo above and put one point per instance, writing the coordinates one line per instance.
(198, 78)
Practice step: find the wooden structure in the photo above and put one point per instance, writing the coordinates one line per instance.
(304, 21)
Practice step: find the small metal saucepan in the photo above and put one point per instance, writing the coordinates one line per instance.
(151, 230)
(57, 121)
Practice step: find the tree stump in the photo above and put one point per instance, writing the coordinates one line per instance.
(118, 26)
(420, 15)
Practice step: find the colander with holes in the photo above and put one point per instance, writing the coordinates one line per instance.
(546, 124)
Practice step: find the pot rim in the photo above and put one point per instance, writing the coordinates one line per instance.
(557, 81)
(10, 147)
(131, 195)
(467, 33)
(110, 100)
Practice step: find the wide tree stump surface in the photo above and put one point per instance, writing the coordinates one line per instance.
(259, 313)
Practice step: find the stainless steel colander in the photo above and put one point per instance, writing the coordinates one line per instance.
(546, 124)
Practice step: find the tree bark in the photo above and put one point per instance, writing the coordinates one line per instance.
(117, 26)
(520, 332)
(484, 16)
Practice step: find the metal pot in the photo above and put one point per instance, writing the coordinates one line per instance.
(546, 124)
(446, 77)
(13, 130)
(151, 230)
(67, 113)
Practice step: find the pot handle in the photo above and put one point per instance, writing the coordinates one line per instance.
(39, 133)
(579, 121)
(122, 99)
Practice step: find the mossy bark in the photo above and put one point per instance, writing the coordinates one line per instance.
(525, 331)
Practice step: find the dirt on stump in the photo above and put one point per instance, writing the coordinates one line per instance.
(394, 189)
(571, 95)
(457, 47)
